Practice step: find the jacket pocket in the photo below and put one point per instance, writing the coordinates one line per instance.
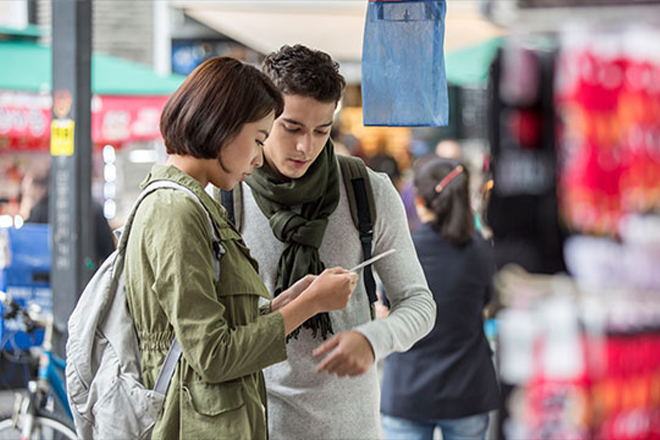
(213, 399)
(126, 410)
(214, 411)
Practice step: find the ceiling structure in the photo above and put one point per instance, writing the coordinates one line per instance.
(334, 26)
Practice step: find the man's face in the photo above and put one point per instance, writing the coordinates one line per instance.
(298, 135)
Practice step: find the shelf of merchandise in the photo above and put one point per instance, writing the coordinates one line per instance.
(507, 14)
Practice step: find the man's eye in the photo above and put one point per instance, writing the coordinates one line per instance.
(291, 130)
(321, 133)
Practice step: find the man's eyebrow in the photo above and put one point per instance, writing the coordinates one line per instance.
(294, 122)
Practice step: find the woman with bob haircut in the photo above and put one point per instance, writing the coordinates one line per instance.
(447, 379)
(214, 127)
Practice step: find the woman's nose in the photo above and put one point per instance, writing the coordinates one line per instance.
(259, 160)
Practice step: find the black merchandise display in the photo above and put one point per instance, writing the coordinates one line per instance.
(522, 210)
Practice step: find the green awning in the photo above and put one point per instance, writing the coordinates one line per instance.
(31, 30)
(26, 66)
(470, 66)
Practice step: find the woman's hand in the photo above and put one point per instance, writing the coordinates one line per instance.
(332, 289)
(292, 292)
(329, 291)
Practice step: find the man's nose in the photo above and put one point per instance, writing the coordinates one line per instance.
(304, 144)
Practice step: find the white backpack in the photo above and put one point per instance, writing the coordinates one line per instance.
(104, 385)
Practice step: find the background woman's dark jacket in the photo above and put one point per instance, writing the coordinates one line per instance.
(449, 373)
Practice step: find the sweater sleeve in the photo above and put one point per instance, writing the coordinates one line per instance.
(413, 310)
(179, 245)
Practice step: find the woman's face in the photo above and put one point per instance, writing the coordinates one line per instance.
(242, 153)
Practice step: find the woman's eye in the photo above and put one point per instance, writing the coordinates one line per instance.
(321, 133)
(259, 143)
(291, 130)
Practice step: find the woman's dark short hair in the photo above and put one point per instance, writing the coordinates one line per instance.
(209, 109)
(454, 217)
(299, 70)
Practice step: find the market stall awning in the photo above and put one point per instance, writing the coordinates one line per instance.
(126, 106)
(470, 65)
(30, 31)
(26, 66)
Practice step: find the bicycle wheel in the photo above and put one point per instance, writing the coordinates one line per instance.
(46, 427)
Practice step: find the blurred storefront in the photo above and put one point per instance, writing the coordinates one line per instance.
(574, 112)
(126, 106)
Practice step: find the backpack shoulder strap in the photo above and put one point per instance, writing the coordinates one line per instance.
(174, 352)
(358, 189)
(167, 370)
(227, 201)
(216, 243)
(363, 211)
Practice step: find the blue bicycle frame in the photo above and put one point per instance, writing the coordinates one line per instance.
(50, 368)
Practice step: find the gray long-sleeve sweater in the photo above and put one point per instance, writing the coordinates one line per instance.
(302, 403)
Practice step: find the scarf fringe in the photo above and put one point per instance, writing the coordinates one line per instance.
(320, 322)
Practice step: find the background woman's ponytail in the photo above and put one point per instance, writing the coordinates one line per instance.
(444, 186)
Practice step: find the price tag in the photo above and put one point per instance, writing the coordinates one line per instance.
(61, 137)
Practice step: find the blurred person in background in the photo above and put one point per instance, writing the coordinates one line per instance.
(447, 148)
(34, 193)
(34, 209)
(384, 162)
(338, 138)
(447, 379)
(353, 145)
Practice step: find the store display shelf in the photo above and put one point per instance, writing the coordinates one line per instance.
(507, 14)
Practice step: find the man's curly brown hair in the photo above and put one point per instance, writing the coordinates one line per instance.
(299, 70)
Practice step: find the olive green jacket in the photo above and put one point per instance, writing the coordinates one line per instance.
(218, 389)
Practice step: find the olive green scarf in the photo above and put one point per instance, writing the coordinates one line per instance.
(317, 192)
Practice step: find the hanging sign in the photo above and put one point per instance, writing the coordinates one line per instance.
(25, 119)
(62, 137)
(403, 66)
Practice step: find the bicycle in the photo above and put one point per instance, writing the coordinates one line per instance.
(33, 417)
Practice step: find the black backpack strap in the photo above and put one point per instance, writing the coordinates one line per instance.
(363, 211)
(232, 201)
(227, 201)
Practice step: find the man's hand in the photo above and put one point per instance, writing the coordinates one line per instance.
(350, 354)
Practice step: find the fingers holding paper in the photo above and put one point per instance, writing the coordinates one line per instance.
(332, 289)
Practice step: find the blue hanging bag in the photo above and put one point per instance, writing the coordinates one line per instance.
(404, 83)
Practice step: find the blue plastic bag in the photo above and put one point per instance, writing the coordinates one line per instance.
(403, 67)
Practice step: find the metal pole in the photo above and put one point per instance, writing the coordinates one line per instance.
(71, 149)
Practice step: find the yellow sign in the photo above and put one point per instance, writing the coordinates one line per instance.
(61, 137)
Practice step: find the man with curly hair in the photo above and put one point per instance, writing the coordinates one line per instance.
(296, 220)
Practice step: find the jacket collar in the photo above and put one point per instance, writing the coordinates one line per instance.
(172, 173)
